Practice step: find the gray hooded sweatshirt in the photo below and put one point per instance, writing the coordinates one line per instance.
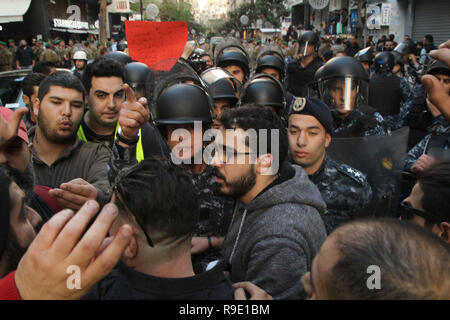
(273, 239)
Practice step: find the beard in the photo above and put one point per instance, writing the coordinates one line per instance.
(239, 187)
(25, 180)
(52, 135)
(13, 253)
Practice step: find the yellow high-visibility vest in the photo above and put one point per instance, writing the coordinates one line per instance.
(139, 148)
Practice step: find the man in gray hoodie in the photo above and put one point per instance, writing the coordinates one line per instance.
(276, 229)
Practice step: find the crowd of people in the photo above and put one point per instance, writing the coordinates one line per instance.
(221, 176)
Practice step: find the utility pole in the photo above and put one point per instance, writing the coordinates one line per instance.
(103, 22)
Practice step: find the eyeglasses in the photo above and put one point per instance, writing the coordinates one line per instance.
(117, 191)
(225, 154)
(406, 212)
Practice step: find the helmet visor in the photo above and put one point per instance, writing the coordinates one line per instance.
(342, 94)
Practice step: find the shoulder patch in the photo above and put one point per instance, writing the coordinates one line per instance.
(352, 173)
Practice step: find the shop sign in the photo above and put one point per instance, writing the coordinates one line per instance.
(70, 24)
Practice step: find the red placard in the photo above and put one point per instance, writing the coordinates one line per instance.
(150, 42)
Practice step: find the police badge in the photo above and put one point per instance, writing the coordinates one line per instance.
(299, 104)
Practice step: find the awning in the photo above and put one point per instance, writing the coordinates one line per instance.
(69, 30)
(13, 10)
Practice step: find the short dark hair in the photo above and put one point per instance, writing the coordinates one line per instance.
(44, 67)
(162, 196)
(30, 81)
(413, 261)
(61, 79)
(102, 67)
(257, 117)
(429, 38)
(435, 185)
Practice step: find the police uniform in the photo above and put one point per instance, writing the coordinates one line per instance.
(439, 138)
(298, 78)
(359, 124)
(344, 189)
(215, 215)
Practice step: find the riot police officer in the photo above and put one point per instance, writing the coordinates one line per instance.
(365, 57)
(234, 59)
(300, 73)
(344, 189)
(386, 91)
(343, 86)
(181, 106)
(435, 145)
(265, 90)
(224, 90)
(271, 61)
(412, 70)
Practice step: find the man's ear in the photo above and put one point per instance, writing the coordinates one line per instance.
(36, 105)
(445, 231)
(327, 139)
(26, 99)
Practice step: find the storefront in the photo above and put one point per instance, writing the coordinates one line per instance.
(431, 17)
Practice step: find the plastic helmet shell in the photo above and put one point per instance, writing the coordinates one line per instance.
(405, 47)
(184, 103)
(270, 61)
(437, 67)
(384, 61)
(341, 67)
(365, 55)
(120, 56)
(234, 58)
(136, 72)
(310, 37)
(80, 55)
(265, 90)
(223, 89)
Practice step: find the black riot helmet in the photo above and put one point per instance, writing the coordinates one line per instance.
(384, 62)
(437, 67)
(398, 59)
(271, 61)
(196, 62)
(136, 74)
(365, 55)
(120, 56)
(308, 38)
(223, 89)
(343, 83)
(265, 90)
(405, 47)
(234, 58)
(184, 103)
